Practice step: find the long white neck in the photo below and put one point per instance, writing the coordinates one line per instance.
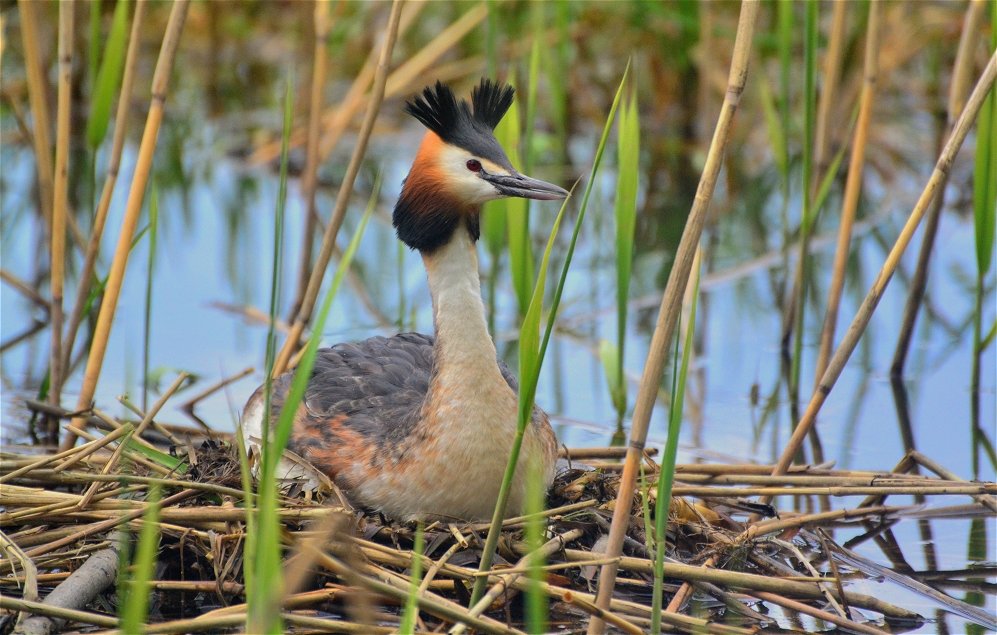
(464, 349)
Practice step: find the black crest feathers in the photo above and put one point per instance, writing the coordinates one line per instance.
(454, 120)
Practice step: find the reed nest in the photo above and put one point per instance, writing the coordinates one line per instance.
(730, 561)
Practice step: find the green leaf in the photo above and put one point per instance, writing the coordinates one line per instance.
(136, 605)
(108, 77)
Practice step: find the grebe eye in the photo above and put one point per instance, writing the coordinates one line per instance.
(474, 165)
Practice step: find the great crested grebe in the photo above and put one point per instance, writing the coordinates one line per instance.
(415, 426)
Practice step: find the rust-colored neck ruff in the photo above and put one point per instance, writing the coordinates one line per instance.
(427, 214)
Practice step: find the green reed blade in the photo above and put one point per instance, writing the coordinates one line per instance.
(531, 354)
(516, 213)
(628, 159)
(411, 611)
(109, 76)
(149, 272)
(136, 604)
(773, 126)
(666, 477)
(93, 45)
(262, 615)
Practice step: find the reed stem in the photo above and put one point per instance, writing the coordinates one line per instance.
(343, 197)
(60, 199)
(853, 186)
(668, 312)
(100, 218)
(133, 209)
(864, 314)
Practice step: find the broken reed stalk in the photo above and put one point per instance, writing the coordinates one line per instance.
(670, 303)
(853, 186)
(133, 209)
(800, 607)
(100, 217)
(343, 197)
(39, 105)
(137, 434)
(865, 311)
(961, 77)
(309, 177)
(60, 202)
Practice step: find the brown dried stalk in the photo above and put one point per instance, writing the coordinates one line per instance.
(100, 218)
(864, 314)
(343, 198)
(670, 302)
(143, 166)
(39, 105)
(853, 186)
(60, 201)
(309, 177)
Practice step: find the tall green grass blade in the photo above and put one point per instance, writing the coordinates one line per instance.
(807, 222)
(149, 271)
(411, 611)
(268, 582)
(666, 477)
(533, 80)
(267, 575)
(516, 213)
(531, 352)
(109, 75)
(536, 599)
(628, 159)
(136, 605)
(773, 125)
(93, 45)
(985, 177)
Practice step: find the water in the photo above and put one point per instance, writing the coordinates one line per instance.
(215, 248)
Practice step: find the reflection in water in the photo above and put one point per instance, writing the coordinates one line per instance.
(216, 211)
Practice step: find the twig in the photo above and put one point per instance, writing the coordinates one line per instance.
(670, 302)
(133, 209)
(39, 608)
(864, 314)
(188, 406)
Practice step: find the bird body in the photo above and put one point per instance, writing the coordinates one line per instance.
(421, 427)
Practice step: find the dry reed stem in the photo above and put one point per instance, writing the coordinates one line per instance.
(865, 311)
(739, 580)
(506, 578)
(961, 76)
(91, 447)
(668, 312)
(832, 76)
(987, 501)
(110, 523)
(136, 435)
(685, 591)
(12, 552)
(24, 289)
(398, 589)
(309, 176)
(60, 200)
(188, 406)
(853, 186)
(343, 197)
(602, 614)
(114, 164)
(774, 525)
(45, 460)
(39, 106)
(72, 615)
(133, 210)
(800, 607)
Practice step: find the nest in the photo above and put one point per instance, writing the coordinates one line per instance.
(731, 565)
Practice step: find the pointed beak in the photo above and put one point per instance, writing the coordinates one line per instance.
(525, 187)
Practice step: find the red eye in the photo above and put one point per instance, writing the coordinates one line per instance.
(474, 165)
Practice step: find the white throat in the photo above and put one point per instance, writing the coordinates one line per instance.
(463, 344)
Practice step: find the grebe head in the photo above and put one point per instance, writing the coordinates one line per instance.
(459, 166)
